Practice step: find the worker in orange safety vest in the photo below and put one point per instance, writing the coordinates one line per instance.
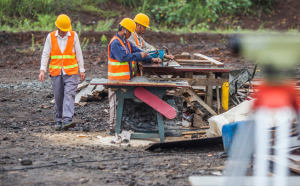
(142, 23)
(66, 65)
(122, 57)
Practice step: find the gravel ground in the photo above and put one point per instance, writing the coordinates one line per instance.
(61, 158)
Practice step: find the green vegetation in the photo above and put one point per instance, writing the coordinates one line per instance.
(198, 14)
(176, 15)
(103, 40)
(30, 50)
(104, 25)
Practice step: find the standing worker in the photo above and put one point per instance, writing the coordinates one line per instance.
(63, 48)
(122, 56)
(142, 23)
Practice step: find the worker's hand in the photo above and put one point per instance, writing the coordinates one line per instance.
(82, 76)
(156, 60)
(42, 76)
(169, 56)
(144, 54)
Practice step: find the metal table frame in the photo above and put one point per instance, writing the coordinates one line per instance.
(127, 92)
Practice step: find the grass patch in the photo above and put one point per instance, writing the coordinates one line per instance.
(93, 9)
(104, 25)
(43, 23)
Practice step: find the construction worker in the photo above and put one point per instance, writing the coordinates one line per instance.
(142, 23)
(122, 56)
(66, 61)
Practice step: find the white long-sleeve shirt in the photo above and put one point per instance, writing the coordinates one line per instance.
(147, 47)
(62, 43)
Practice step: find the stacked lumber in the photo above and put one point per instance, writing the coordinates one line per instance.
(87, 92)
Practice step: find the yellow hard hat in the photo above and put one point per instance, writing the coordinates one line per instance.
(129, 24)
(142, 19)
(63, 22)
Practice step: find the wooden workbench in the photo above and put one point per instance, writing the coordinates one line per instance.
(125, 90)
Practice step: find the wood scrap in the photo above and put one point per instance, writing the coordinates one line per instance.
(193, 132)
(213, 61)
(201, 102)
(84, 93)
(98, 90)
(193, 62)
(82, 85)
(292, 165)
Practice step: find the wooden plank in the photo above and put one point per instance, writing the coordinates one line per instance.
(206, 82)
(218, 99)
(218, 63)
(292, 165)
(134, 83)
(84, 93)
(98, 90)
(82, 85)
(181, 56)
(194, 132)
(209, 90)
(201, 102)
(193, 61)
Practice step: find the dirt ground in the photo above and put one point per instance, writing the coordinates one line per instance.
(63, 158)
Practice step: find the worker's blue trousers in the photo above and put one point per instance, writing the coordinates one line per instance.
(64, 90)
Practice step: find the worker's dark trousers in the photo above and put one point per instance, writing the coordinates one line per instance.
(64, 90)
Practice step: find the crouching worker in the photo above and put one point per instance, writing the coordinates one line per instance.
(66, 61)
(122, 57)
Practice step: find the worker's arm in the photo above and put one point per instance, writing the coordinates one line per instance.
(147, 46)
(119, 53)
(79, 56)
(134, 48)
(45, 58)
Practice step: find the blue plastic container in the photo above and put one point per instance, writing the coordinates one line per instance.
(156, 53)
(228, 132)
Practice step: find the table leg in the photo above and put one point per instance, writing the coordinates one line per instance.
(161, 130)
(120, 97)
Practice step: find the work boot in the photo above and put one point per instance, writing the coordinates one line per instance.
(68, 124)
(58, 126)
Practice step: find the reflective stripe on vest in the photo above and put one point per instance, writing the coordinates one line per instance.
(116, 69)
(63, 57)
(119, 74)
(65, 67)
(66, 60)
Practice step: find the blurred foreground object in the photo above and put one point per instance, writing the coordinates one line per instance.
(277, 54)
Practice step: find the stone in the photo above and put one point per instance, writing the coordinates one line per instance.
(26, 162)
(83, 180)
(101, 167)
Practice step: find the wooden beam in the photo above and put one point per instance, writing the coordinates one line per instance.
(82, 85)
(193, 61)
(201, 102)
(84, 93)
(209, 90)
(218, 63)
(194, 132)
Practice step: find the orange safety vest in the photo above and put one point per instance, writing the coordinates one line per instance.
(137, 41)
(66, 60)
(119, 70)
